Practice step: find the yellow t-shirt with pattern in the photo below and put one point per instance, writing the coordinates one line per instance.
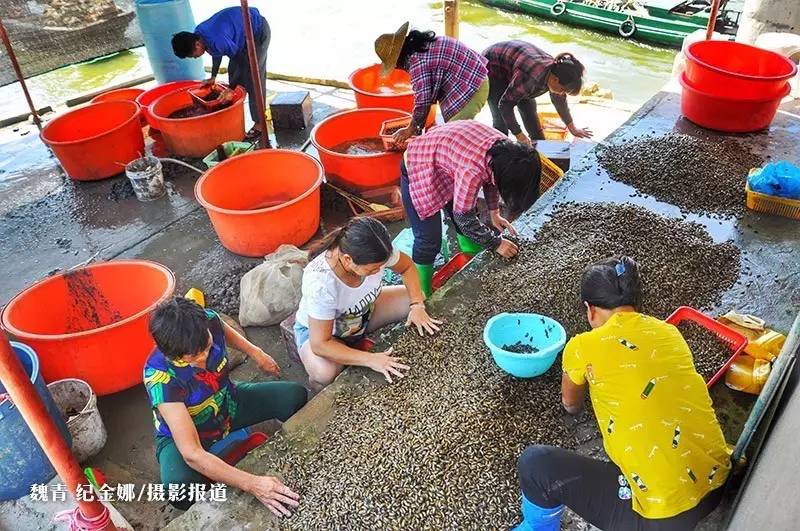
(653, 410)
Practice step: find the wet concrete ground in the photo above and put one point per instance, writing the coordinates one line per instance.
(771, 289)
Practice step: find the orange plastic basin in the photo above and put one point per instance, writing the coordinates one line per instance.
(146, 99)
(392, 92)
(260, 200)
(91, 323)
(96, 141)
(123, 94)
(357, 172)
(199, 135)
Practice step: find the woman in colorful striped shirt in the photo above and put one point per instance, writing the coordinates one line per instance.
(443, 71)
(518, 73)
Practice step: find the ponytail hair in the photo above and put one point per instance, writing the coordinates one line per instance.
(612, 283)
(365, 239)
(416, 42)
(569, 72)
(517, 171)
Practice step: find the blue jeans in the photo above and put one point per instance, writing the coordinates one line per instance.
(302, 335)
(427, 232)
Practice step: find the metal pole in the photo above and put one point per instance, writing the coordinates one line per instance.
(712, 18)
(257, 88)
(13, 58)
(25, 398)
(451, 18)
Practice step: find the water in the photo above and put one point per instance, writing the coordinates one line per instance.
(331, 39)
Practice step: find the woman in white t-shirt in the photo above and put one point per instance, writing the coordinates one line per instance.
(344, 298)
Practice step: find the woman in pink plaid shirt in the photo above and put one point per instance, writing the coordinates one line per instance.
(445, 169)
(443, 71)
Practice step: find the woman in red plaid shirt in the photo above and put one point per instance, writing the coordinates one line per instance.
(446, 168)
(443, 71)
(518, 73)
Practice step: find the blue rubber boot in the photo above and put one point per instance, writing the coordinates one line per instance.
(535, 518)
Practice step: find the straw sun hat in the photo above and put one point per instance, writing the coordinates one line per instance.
(388, 47)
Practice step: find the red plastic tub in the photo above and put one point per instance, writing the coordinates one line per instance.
(96, 141)
(357, 172)
(91, 323)
(732, 69)
(149, 96)
(197, 136)
(392, 92)
(736, 341)
(729, 114)
(453, 266)
(260, 200)
(123, 94)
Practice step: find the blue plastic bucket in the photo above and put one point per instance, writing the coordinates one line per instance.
(539, 331)
(159, 20)
(22, 461)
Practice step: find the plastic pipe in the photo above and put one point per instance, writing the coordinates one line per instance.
(254, 74)
(712, 19)
(25, 398)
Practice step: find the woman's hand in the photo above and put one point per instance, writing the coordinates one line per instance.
(386, 364)
(418, 316)
(265, 362)
(501, 223)
(401, 137)
(507, 249)
(522, 138)
(274, 494)
(580, 132)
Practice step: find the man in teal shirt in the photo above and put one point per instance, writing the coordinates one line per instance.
(223, 35)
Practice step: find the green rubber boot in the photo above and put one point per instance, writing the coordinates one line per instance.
(468, 246)
(425, 272)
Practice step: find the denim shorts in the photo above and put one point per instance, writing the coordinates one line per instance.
(302, 334)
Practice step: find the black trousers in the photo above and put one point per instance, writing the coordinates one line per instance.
(239, 70)
(526, 107)
(552, 476)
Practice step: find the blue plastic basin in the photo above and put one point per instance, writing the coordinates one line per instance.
(540, 331)
(22, 461)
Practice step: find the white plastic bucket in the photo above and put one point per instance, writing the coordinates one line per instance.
(146, 178)
(77, 403)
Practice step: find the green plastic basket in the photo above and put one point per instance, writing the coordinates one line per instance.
(212, 159)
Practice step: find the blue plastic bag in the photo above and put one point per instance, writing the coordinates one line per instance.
(780, 179)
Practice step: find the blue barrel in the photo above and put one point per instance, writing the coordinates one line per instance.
(159, 21)
(22, 461)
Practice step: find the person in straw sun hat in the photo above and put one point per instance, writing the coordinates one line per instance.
(443, 71)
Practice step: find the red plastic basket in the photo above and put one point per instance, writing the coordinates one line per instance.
(736, 341)
(452, 267)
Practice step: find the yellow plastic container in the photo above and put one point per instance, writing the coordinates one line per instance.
(552, 126)
(197, 296)
(551, 174)
(747, 374)
(770, 204)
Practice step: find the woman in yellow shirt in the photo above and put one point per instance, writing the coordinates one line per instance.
(669, 458)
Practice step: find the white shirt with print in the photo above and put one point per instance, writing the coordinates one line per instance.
(326, 297)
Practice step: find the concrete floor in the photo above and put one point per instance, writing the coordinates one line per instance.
(48, 223)
(770, 246)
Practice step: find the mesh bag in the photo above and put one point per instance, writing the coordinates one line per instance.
(49, 34)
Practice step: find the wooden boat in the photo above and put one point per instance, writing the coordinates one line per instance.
(662, 22)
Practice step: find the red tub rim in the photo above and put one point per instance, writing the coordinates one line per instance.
(214, 208)
(374, 94)
(691, 57)
(177, 86)
(98, 98)
(239, 91)
(60, 337)
(134, 116)
(691, 88)
(313, 136)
